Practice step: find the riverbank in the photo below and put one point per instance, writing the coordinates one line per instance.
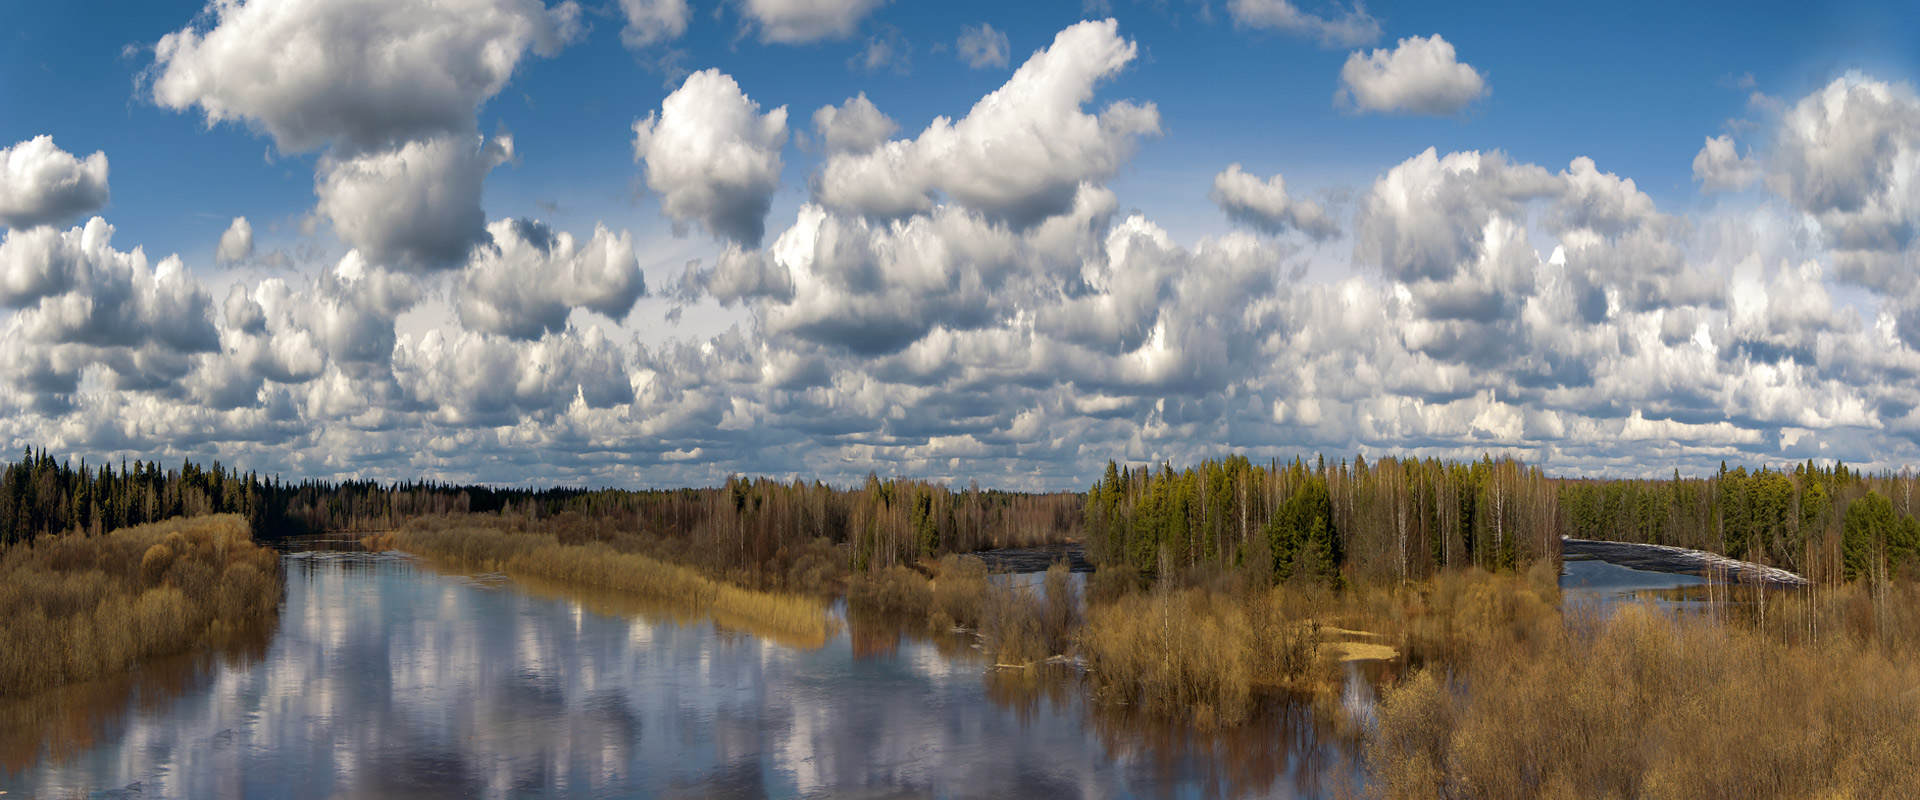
(76, 607)
(1664, 558)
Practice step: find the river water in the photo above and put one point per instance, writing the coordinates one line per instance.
(387, 678)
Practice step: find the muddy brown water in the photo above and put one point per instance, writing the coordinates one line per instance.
(387, 678)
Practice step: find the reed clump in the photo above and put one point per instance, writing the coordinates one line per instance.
(473, 544)
(77, 607)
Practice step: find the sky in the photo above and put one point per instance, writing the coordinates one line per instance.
(645, 243)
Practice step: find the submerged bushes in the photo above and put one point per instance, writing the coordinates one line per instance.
(76, 607)
(1016, 626)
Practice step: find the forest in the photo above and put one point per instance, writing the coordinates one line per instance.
(1396, 520)
(1388, 519)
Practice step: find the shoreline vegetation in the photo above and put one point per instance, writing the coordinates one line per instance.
(1219, 593)
(519, 549)
(76, 608)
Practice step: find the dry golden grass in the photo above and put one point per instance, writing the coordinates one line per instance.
(472, 544)
(1817, 697)
(75, 608)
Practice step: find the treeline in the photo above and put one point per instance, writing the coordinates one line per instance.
(1393, 519)
(755, 530)
(1827, 523)
(40, 495)
(744, 527)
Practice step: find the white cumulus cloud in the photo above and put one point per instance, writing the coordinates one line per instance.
(418, 204)
(527, 282)
(855, 126)
(236, 243)
(712, 157)
(1265, 205)
(802, 21)
(1418, 76)
(1849, 156)
(366, 74)
(390, 87)
(1022, 151)
(41, 184)
(1720, 168)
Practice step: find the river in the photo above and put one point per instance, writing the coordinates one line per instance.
(387, 678)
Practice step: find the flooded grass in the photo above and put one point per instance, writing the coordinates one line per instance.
(793, 619)
(79, 608)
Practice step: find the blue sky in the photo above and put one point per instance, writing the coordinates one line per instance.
(903, 379)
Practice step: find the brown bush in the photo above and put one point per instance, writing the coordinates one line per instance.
(960, 592)
(1185, 653)
(897, 591)
(1012, 628)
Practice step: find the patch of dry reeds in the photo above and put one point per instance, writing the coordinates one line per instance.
(794, 619)
(1813, 697)
(76, 607)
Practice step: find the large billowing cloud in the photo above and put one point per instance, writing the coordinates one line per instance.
(84, 305)
(41, 184)
(712, 157)
(366, 74)
(1354, 27)
(392, 88)
(417, 204)
(1419, 76)
(801, 21)
(976, 301)
(1020, 154)
(1849, 156)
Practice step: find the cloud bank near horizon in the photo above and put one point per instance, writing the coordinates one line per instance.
(969, 300)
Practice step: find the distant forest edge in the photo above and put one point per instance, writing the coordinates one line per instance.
(887, 522)
(1392, 519)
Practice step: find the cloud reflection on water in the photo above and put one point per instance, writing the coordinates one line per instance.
(388, 679)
